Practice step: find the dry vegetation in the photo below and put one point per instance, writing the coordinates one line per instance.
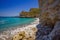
(33, 12)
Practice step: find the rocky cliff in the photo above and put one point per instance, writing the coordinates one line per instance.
(49, 27)
(33, 12)
(50, 11)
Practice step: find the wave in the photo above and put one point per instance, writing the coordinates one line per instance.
(2, 22)
(5, 35)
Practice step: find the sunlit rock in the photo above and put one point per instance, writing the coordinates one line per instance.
(26, 33)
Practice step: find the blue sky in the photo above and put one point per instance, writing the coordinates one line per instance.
(14, 7)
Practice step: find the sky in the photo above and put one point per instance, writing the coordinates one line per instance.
(14, 7)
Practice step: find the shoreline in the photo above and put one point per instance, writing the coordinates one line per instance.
(17, 26)
(14, 31)
(32, 24)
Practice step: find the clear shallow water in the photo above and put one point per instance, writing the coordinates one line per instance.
(6, 23)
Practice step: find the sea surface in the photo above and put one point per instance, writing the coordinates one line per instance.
(9, 22)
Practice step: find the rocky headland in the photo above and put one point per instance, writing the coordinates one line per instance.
(32, 13)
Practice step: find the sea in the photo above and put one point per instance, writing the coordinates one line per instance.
(12, 22)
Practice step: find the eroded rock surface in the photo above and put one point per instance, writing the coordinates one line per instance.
(46, 33)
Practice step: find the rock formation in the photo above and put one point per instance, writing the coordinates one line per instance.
(49, 27)
(33, 12)
(26, 33)
(50, 11)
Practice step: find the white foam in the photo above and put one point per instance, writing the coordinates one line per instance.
(16, 30)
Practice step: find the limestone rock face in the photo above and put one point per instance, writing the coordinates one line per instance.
(50, 11)
(49, 15)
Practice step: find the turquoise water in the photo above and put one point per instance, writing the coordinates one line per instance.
(6, 23)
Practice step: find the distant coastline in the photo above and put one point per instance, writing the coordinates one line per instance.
(16, 17)
(32, 13)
